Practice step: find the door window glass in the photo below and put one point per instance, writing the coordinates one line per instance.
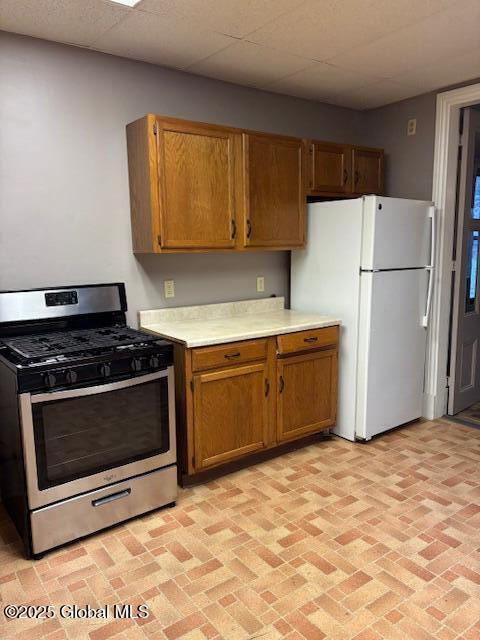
(476, 198)
(472, 271)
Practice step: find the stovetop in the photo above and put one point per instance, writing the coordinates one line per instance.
(68, 344)
(73, 336)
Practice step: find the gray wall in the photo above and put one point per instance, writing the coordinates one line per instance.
(64, 203)
(408, 159)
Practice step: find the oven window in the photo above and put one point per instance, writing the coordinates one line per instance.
(78, 437)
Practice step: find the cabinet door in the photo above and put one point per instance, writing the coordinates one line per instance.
(274, 191)
(330, 168)
(196, 166)
(230, 413)
(307, 394)
(367, 170)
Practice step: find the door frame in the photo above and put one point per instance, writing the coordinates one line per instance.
(447, 138)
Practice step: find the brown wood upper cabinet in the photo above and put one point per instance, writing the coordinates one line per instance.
(368, 172)
(330, 168)
(202, 187)
(339, 169)
(205, 187)
(274, 191)
(196, 179)
(182, 185)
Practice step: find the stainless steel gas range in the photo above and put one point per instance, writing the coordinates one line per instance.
(87, 414)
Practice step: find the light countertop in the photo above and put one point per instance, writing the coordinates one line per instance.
(203, 325)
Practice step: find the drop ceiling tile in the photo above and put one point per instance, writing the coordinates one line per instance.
(321, 30)
(444, 73)
(249, 64)
(438, 37)
(320, 81)
(165, 41)
(67, 21)
(231, 17)
(374, 95)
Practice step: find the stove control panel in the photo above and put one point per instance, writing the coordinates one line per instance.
(49, 380)
(91, 372)
(61, 298)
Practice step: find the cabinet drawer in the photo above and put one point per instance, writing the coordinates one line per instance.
(306, 340)
(227, 354)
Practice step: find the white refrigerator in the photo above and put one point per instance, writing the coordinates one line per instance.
(369, 262)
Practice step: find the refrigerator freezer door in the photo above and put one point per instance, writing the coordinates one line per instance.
(391, 350)
(396, 233)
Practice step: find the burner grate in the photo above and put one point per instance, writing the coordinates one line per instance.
(49, 345)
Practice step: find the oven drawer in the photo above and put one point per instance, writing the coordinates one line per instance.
(226, 354)
(307, 340)
(77, 517)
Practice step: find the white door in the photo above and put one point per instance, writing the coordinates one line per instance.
(464, 387)
(391, 350)
(396, 233)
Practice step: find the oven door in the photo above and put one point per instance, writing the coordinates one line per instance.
(82, 439)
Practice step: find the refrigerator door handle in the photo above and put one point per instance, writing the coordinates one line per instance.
(430, 268)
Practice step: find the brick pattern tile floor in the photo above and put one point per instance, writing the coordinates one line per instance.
(337, 540)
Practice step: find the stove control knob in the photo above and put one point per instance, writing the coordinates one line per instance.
(136, 364)
(49, 380)
(104, 370)
(71, 376)
(154, 362)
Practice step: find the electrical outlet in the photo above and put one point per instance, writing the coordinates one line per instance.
(260, 284)
(412, 127)
(169, 288)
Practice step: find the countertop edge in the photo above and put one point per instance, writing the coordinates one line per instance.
(242, 336)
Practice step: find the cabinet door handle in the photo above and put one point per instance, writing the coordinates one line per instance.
(312, 339)
(267, 387)
(249, 228)
(234, 229)
(345, 176)
(230, 356)
(282, 384)
(357, 177)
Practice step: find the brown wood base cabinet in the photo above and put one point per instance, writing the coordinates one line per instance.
(238, 399)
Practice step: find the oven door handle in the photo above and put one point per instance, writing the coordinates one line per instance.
(101, 388)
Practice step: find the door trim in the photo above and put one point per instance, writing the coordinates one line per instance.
(449, 104)
(465, 224)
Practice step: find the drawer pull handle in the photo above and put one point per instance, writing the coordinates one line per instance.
(267, 387)
(345, 176)
(282, 384)
(312, 339)
(111, 497)
(249, 228)
(230, 356)
(234, 229)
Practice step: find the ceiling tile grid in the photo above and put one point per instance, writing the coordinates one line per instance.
(356, 53)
